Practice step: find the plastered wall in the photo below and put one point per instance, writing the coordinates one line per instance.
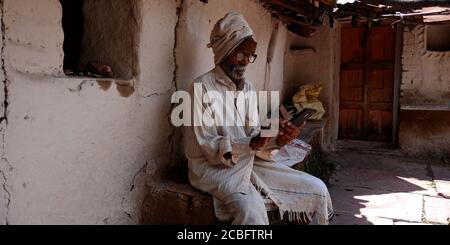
(74, 149)
(78, 150)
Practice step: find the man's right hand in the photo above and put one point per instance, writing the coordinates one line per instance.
(258, 142)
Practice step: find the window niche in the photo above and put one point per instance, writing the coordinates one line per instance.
(438, 38)
(101, 37)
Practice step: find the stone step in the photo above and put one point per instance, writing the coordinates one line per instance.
(177, 204)
(182, 204)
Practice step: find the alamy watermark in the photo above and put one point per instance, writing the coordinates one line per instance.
(227, 109)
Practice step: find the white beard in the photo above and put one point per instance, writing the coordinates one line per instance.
(237, 72)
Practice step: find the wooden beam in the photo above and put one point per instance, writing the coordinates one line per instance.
(411, 3)
(306, 9)
(290, 19)
(330, 3)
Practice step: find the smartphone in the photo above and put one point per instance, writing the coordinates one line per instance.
(302, 116)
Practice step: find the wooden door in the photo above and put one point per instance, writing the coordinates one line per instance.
(367, 83)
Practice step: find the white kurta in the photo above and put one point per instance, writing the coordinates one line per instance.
(292, 191)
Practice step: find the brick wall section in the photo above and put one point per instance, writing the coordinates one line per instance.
(425, 82)
(425, 76)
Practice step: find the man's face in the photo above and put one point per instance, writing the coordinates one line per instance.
(238, 60)
(237, 63)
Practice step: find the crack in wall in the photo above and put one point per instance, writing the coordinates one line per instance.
(424, 216)
(270, 53)
(7, 191)
(141, 170)
(151, 95)
(5, 166)
(179, 12)
(3, 64)
(430, 174)
(80, 86)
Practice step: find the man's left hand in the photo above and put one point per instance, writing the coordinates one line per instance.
(288, 132)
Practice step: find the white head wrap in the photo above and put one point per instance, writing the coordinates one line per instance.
(227, 34)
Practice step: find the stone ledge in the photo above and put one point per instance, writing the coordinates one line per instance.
(182, 204)
(177, 204)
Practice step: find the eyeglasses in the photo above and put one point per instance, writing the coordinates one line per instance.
(241, 56)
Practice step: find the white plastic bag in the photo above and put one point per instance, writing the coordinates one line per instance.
(292, 153)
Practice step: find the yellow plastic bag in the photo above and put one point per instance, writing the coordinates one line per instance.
(313, 92)
(308, 97)
(300, 96)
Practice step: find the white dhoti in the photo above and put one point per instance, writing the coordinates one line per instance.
(242, 208)
(300, 195)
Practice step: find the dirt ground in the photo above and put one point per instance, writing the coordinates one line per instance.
(377, 185)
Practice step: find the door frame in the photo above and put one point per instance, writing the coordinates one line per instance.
(397, 82)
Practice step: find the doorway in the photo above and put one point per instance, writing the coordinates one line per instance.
(367, 82)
